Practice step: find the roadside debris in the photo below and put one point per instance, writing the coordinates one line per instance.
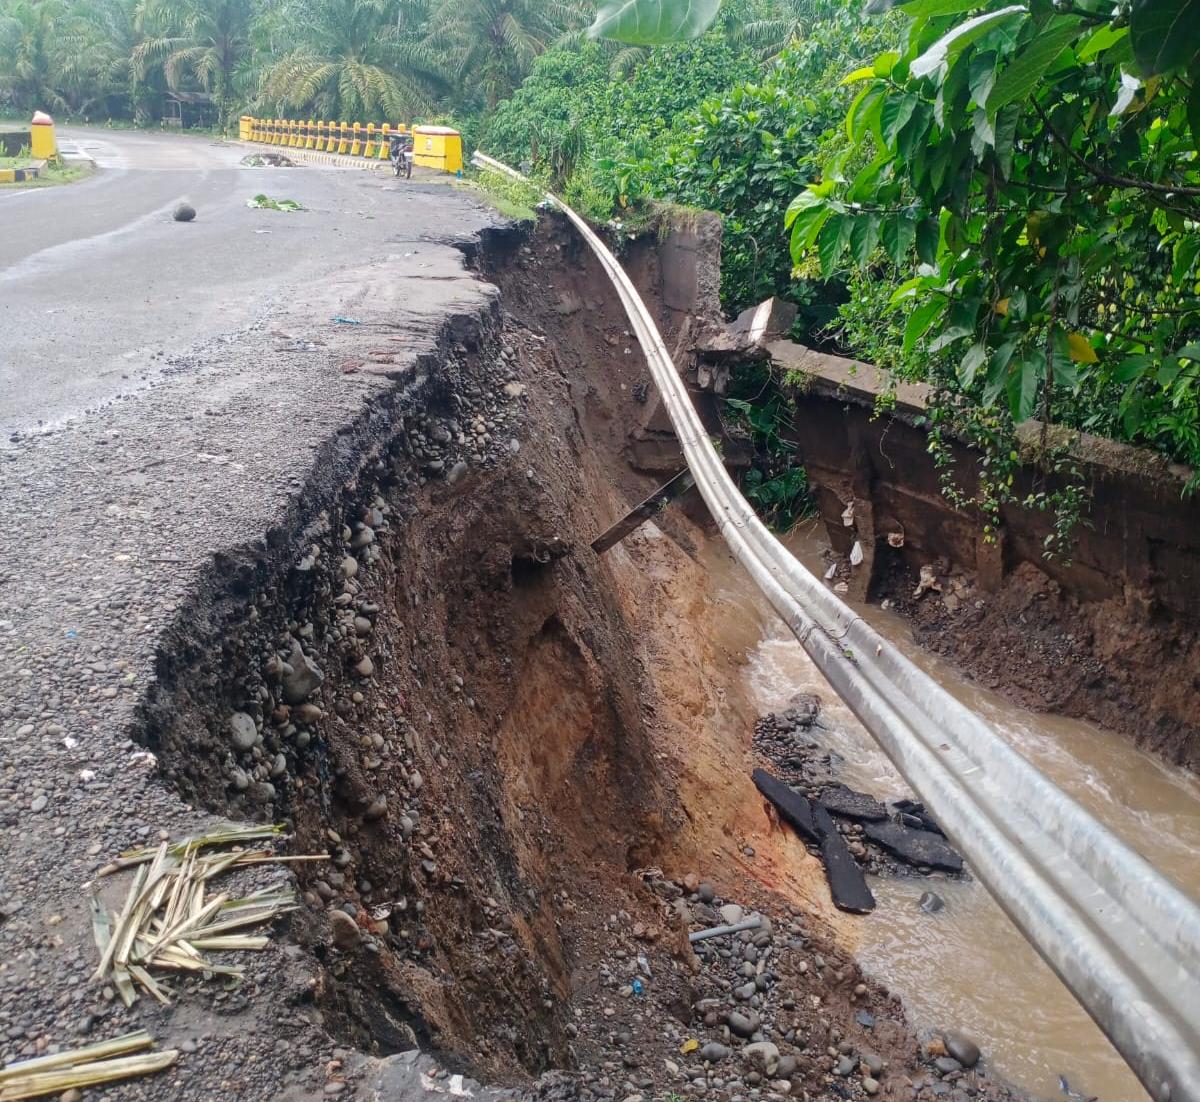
(927, 580)
(167, 922)
(345, 321)
(265, 202)
(184, 213)
(89, 1066)
(268, 160)
(847, 885)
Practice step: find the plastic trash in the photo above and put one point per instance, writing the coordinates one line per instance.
(345, 321)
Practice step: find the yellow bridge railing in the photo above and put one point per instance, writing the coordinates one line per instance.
(437, 147)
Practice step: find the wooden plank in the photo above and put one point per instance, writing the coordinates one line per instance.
(638, 515)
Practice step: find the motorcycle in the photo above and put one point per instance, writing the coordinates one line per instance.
(402, 162)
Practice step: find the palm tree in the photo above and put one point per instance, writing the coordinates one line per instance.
(489, 45)
(207, 41)
(349, 59)
(27, 35)
(94, 61)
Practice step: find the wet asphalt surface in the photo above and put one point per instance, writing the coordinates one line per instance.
(167, 392)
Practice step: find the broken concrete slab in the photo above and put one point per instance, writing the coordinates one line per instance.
(917, 847)
(852, 805)
(847, 885)
(794, 809)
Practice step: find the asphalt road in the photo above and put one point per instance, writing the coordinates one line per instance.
(172, 395)
(100, 288)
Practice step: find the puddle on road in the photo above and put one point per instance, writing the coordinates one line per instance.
(967, 966)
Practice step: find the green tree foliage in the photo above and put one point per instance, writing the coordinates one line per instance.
(349, 60)
(28, 56)
(364, 59)
(491, 44)
(1031, 174)
(604, 139)
(203, 43)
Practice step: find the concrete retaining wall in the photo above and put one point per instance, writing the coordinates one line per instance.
(1143, 534)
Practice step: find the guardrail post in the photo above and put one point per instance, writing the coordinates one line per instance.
(356, 144)
(369, 148)
(385, 141)
(343, 137)
(310, 135)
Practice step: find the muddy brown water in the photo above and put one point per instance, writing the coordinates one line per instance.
(967, 966)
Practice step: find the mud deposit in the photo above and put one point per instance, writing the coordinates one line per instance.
(530, 765)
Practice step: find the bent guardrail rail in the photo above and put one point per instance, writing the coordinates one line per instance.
(1121, 936)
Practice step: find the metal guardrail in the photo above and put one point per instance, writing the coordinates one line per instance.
(1121, 936)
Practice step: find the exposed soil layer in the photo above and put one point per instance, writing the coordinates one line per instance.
(1118, 662)
(522, 758)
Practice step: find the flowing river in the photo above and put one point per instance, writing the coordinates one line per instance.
(967, 966)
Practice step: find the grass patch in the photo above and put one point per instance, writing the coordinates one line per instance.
(511, 198)
(55, 172)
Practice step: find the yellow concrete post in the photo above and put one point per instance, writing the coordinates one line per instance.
(343, 137)
(297, 136)
(322, 134)
(272, 131)
(385, 138)
(437, 147)
(369, 148)
(310, 135)
(42, 143)
(356, 144)
(244, 122)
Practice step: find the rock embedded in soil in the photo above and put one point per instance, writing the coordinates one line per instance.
(242, 731)
(305, 677)
(344, 930)
(744, 1025)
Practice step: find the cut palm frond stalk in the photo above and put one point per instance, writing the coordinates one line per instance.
(168, 922)
(103, 1062)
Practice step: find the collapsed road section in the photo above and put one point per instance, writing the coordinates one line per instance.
(348, 588)
(326, 578)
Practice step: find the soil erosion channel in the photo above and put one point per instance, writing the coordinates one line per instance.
(532, 766)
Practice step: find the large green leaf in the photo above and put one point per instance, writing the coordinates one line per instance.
(896, 111)
(924, 9)
(919, 322)
(1023, 381)
(1032, 61)
(898, 233)
(1163, 33)
(653, 22)
(864, 237)
(1193, 113)
(961, 37)
(976, 356)
(1186, 250)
